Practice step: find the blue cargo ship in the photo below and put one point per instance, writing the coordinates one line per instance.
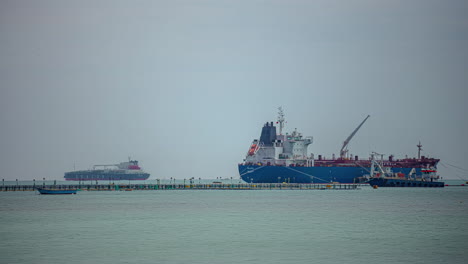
(278, 157)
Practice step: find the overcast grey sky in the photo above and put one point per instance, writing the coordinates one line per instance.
(185, 86)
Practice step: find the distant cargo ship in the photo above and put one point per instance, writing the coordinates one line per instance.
(276, 158)
(122, 171)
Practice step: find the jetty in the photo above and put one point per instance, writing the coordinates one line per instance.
(177, 186)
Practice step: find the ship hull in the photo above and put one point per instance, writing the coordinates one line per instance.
(382, 182)
(90, 176)
(278, 174)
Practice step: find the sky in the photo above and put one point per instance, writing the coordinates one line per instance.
(185, 86)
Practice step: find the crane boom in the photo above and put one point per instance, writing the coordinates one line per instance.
(345, 144)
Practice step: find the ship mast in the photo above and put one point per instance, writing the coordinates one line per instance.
(280, 119)
(419, 149)
(343, 150)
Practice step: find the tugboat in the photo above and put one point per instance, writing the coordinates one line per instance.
(384, 177)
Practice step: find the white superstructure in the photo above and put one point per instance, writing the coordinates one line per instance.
(280, 150)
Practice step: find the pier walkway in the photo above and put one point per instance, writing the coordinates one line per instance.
(177, 186)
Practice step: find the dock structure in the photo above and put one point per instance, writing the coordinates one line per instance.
(177, 186)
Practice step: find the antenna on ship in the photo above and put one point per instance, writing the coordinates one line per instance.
(280, 119)
(419, 149)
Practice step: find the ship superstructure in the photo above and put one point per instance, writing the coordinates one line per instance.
(276, 158)
(123, 171)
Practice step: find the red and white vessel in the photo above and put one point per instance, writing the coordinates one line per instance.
(123, 171)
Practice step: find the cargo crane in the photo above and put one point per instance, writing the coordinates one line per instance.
(344, 150)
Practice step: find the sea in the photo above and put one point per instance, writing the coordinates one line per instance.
(384, 225)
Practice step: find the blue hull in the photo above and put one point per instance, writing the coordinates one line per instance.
(278, 174)
(48, 191)
(382, 182)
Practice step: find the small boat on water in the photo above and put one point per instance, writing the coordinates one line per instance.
(56, 191)
(381, 176)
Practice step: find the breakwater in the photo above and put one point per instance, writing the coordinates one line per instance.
(200, 186)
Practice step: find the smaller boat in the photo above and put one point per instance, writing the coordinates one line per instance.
(56, 191)
(381, 176)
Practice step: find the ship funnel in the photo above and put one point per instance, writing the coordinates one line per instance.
(268, 134)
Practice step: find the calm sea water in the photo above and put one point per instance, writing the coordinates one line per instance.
(387, 225)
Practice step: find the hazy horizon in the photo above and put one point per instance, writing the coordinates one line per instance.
(185, 86)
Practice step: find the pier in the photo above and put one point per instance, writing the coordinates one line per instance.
(177, 186)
